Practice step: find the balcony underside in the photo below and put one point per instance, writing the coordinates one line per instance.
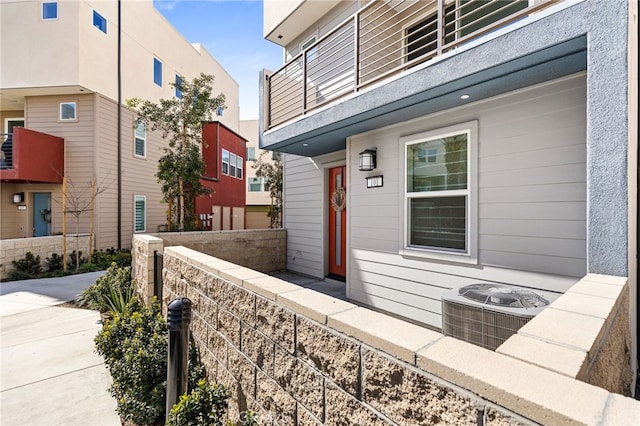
(413, 94)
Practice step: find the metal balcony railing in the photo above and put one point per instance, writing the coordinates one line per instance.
(382, 39)
(6, 149)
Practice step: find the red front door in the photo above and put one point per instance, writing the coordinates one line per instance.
(337, 221)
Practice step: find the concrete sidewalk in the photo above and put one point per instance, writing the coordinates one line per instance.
(50, 373)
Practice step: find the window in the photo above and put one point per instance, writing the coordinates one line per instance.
(225, 162)
(251, 153)
(49, 10)
(255, 184)
(219, 111)
(439, 190)
(68, 111)
(422, 37)
(312, 54)
(178, 86)
(232, 164)
(240, 164)
(140, 213)
(99, 22)
(157, 72)
(140, 141)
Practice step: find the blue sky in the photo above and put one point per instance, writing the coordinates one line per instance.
(231, 30)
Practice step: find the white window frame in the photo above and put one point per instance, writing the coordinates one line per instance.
(177, 91)
(106, 22)
(233, 163)
(255, 180)
(143, 139)
(470, 255)
(136, 199)
(155, 58)
(313, 53)
(225, 162)
(75, 111)
(239, 167)
(42, 11)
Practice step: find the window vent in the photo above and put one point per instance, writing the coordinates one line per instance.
(487, 314)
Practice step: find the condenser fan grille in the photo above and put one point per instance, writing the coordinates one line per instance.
(487, 314)
(503, 295)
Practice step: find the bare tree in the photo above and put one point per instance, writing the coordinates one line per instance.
(79, 199)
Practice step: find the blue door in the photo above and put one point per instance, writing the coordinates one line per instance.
(41, 214)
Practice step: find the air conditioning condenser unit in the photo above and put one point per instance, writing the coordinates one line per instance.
(487, 314)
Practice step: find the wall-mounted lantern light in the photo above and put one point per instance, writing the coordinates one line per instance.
(18, 198)
(367, 160)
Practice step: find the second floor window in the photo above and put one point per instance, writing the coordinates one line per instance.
(178, 86)
(251, 153)
(140, 139)
(225, 162)
(100, 22)
(49, 10)
(255, 184)
(157, 72)
(68, 111)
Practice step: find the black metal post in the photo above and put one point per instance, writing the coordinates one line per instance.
(178, 319)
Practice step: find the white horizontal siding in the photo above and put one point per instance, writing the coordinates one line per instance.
(531, 202)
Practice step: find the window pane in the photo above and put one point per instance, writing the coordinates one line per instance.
(68, 111)
(141, 131)
(140, 214)
(240, 164)
(225, 162)
(438, 164)
(438, 222)
(50, 10)
(251, 153)
(157, 72)
(178, 86)
(99, 22)
(255, 184)
(232, 163)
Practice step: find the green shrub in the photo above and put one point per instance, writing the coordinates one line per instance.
(103, 259)
(56, 274)
(30, 264)
(55, 262)
(206, 405)
(88, 267)
(96, 296)
(19, 275)
(134, 347)
(76, 257)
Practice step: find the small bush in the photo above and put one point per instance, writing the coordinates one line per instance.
(206, 405)
(88, 267)
(76, 257)
(134, 347)
(97, 296)
(103, 259)
(29, 265)
(19, 276)
(55, 263)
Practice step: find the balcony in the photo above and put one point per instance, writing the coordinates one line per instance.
(381, 40)
(31, 157)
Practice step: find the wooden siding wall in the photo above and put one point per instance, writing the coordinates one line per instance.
(304, 206)
(42, 114)
(138, 176)
(531, 203)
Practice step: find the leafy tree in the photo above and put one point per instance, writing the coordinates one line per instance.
(271, 171)
(180, 121)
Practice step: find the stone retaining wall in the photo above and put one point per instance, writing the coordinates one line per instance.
(264, 250)
(298, 357)
(16, 249)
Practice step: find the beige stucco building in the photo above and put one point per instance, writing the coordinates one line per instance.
(65, 67)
